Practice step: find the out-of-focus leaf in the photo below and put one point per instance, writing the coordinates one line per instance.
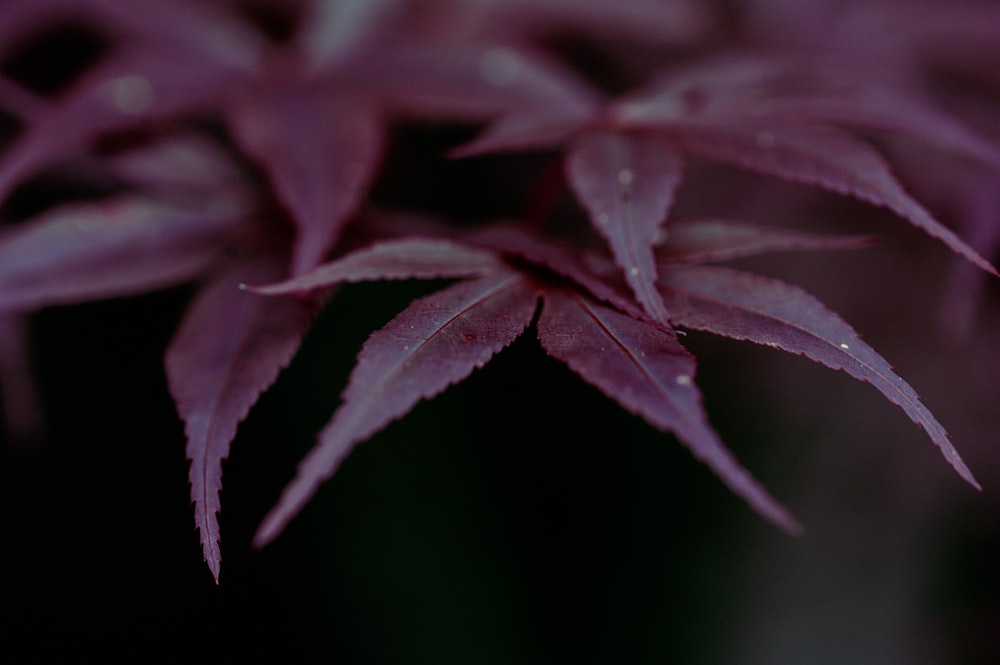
(627, 183)
(127, 245)
(126, 92)
(320, 150)
(186, 165)
(825, 158)
(648, 373)
(710, 240)
(230, 347)
(464, 81)
(437, 341)
(766, 311)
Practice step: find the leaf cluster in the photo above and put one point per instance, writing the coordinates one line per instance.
(257, 150)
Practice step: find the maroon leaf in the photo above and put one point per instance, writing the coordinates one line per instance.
(126, 92)
(127, 245)
(320, 150)
(527, 131)
(653, 21)
(826, 158)
(763, 310)
(179, 165)
(408, 258)
(627, 184)
(332, 29)
(230, 347)
(648, 373)
(462, 80)
(778, 91)
(437, 341)
(709, 240)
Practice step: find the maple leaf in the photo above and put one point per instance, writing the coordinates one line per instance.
(185, 102)
(774, 117)
(230, 347)
(636, 362)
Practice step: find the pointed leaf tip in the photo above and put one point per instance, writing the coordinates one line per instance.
(767, 311)
(436, 342)
(645, 370)
(627, 184)
(230, 347)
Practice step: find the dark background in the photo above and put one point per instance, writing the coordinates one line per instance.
(520, 517)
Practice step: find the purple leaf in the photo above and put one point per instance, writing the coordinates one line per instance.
(527, 131)
(179, 165)
(408, 258)
(774, 91)
(464, 81)
(627, 184)
(650, 374)
(124, 246)
(123, 93)
(825, 158)
(766, 311)
(230, 347)
(512, 240)
(651, 21)
(710, 240)
(320, 149)
(332, 29)
(437, 341)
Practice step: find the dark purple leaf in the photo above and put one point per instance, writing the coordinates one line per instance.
(650, 21)
(333, 29)
(126, 92)
(527, 132)
(650, 374)
(826, 158)
(437, 341)
(627, 183)
(766, 311)
(407, 258)
(185, 165)
(320, 150)
(230, 347)
(710, 240)
(123, 246)
(777, 91)
(464, 81)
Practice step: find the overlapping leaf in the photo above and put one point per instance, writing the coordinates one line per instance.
(766, 311)
(437, 341)
(645, 370)
(320, 150)
(124, 246)
(230, 347)
(627, 184)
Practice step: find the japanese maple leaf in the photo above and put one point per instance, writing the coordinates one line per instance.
(585, 322)
(440, 339)
(624, 162)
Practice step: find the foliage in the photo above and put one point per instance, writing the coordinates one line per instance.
(257, 150)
